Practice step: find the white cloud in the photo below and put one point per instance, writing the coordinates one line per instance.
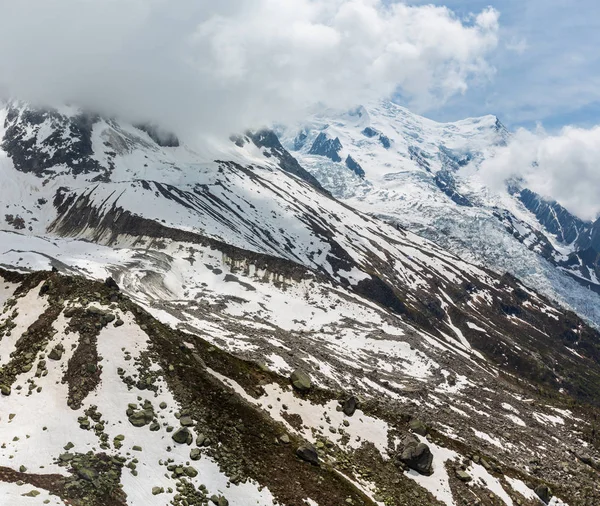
(229, 64)
(564, 167)
(517, 45)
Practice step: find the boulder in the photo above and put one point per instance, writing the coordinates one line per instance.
(544, 493)
(112, 284)
(182, 436)
(190, 471)
(463, 476)
(141, 418)
(219, 501)
(87, 473)
(308, 453)
(418, 427)
(32, 493)
(70, 312)
(300, 380)
(56, 353)
(349, 406)
(416, 456)
(5, 390)
(45, 287)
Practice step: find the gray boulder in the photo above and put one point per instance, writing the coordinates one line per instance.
(300, 380)
(308, 453)
(463, 476)
(56, 353)
(182, 436)
(349, 406)
(416, 456)
(418, 427)
(141, 418)
(544, 493)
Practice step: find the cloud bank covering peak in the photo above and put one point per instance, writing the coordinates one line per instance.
(206, 66)
(564, 166)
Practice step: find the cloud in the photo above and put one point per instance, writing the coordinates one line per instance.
(517, 45)
(230, 64)
(564, 167)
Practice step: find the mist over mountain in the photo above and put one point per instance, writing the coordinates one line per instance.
(235, 271)
(209, 67)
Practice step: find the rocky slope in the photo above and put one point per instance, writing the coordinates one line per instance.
(425, 176)
(236, 268)
(102, 404)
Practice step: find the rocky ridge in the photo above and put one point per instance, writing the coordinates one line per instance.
(167, 410)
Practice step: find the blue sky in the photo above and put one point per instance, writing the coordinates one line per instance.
(547, 64)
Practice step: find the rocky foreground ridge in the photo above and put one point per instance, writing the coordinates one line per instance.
(101, 404)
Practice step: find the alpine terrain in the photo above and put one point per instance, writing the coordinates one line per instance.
(425, 176)
(254, 321)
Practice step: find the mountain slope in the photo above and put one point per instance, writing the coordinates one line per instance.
(233, 247)
(117, 395)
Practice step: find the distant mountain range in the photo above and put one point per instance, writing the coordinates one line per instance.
(423, 175)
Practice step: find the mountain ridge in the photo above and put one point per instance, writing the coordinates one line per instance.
(230, 270)
(427, 179)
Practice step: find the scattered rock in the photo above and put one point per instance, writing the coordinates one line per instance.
(416, 455)
(300, 380)
(308, 453)
(112, 284)
(182, 436)
(56, 353)
(463, 476)
(544, 493)
(418, 427)
(349, 406)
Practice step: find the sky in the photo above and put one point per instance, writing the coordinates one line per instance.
(206, 67)
(547, 64)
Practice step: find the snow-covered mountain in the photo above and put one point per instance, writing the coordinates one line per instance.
(423, 175)
(237, 268)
